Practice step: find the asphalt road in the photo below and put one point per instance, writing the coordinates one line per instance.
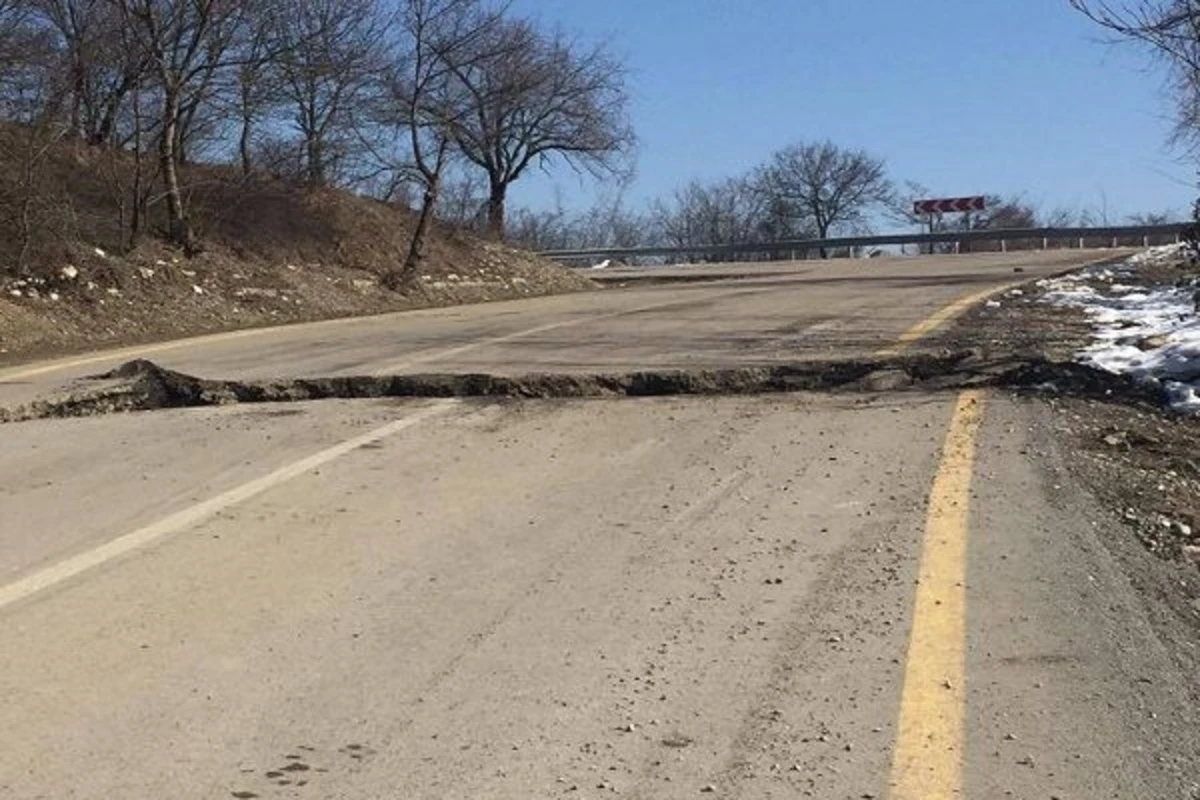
(746, 315)
(898, 596)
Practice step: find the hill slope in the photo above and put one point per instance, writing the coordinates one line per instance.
(273, 253)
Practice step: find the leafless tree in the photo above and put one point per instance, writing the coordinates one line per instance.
(1170, 29)
(827, 186)
(1060, 218)
(250, 90)
(900, 207)
(98, 72)
(462, 202)
(184, 42)
(423, 100)
(540, 97)
(1004, 213)
(547, 229)
(329, 52)
(609, 223)
(1150, 218)
(731, 211)
(32, 82)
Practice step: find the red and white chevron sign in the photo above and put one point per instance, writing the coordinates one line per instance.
(949, 205)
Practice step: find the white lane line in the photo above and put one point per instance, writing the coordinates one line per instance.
(193, 515)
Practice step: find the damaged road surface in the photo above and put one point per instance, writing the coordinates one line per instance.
(736, 547)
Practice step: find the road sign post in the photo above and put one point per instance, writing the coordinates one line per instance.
(948, 205)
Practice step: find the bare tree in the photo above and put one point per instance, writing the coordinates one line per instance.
(331, 50)
(32, 93)
(548, 229)
(255, 82)
(1150, 218)
(731, 211)
(606, 224)
(98, 72)
(1060, 218)
(900, 209)
(537, 98)
(462, 203)
(423, 103)
(1170, 29)
(32, 81)
(184, 42)
(827, 186)
(609, 223)
(1003, 213)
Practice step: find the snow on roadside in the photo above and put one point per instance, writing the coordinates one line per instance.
(1150, 333)
(1167, 254)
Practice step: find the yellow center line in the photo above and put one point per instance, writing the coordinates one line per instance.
(927, 763)
(939, 318)
(960, 306)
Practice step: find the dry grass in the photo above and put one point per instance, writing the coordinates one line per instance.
(274, 252)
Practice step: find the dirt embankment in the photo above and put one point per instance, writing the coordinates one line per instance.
(273, 253)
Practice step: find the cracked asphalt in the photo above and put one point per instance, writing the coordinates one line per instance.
(666, 597)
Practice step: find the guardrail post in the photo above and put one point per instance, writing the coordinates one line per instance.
(1004, 245)
(1080, 242)
(1114, 243)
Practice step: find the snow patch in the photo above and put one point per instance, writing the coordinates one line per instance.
(1161, 255)
(1152, 334)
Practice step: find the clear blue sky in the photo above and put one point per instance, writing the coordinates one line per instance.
(965, 96)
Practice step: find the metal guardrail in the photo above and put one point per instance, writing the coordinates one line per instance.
(801, 248)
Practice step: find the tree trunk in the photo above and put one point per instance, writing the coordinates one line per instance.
(103, 132)
(104, 128)
(179, 232)
(135, 223)
(496, 198)
(181, 142)
(823, 234)
(316, 161)
(416, 248)
(244, 146)
(78, 88)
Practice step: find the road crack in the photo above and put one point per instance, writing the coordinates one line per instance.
(145, 386)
